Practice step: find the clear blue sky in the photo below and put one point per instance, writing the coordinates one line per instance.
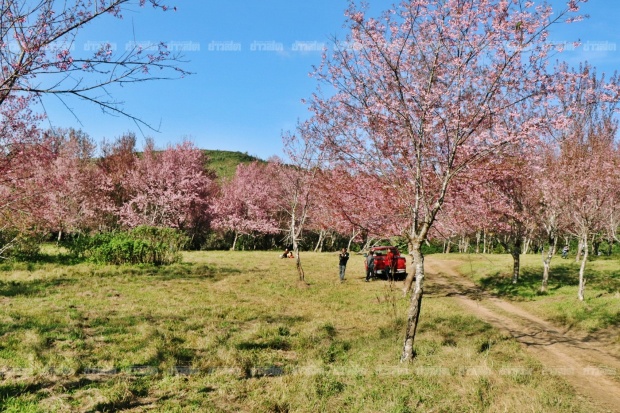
(243, 99)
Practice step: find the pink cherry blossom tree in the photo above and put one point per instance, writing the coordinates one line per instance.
(39, 58)
(587, 158)
(613, 222)
(427, 91)
(117, 161)
(74, 195)
(248, 204)
(168, 188)
(549, 182)
(355, 206)
(22, 151)
(513, 204)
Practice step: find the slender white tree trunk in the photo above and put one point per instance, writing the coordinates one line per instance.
(353, 235)
(526, 244)
(319, 243)
(582, 270)
(234, 244)
(415, 305)
(580, 248)
(547, 263)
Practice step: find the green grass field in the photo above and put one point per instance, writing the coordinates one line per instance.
(236, 331)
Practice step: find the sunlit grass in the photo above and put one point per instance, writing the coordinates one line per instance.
(237, 331)
(600, 309)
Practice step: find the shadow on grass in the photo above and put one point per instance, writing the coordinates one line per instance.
(129, 400)
(455, 328)
(560, 275)
(276, 343)
(171, 272)
(455, 289)
(189, 270)
(39, 260)
(284, 319)
(15, 390)
(529, 283)
(160, 272)
(605, 280)
(32, 287)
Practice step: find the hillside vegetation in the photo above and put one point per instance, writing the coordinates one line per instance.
(224, 163)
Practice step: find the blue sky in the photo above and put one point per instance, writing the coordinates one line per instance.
(243, 99)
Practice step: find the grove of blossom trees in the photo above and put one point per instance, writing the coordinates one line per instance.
(439, 122)
(437, 97)
(38, 60)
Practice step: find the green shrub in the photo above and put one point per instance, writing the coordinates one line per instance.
(141, 245)
(20, 245)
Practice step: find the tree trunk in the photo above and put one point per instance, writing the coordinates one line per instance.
(596, 243)
(415, 304)
(353, 235)
(516, 262)
(582, 270)
(300, 269)
(319, 244)
(368, 244)
(294, 234)
(478, 235)
(234, 244)
(580, 248)
(547, 263)
(526, 244)
(463, 244)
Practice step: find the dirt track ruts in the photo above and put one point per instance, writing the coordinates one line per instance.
(586, 363)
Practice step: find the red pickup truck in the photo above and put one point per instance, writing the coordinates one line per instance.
(385, 259)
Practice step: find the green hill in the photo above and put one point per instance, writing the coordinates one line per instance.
(224, 163)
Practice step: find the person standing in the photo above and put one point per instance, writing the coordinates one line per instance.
(370, 265)
(344, 257)
(389, 264)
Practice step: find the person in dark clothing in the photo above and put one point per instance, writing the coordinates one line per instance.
(344, 257)
(370, 266)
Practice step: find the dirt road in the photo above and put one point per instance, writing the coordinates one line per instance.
(583, 361)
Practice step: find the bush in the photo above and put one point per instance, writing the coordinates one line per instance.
(20, 245)
(141, 245)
